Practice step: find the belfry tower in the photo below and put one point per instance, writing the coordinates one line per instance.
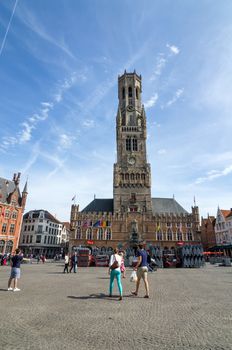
(132, 173)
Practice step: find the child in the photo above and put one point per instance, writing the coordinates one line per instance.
(122, 267)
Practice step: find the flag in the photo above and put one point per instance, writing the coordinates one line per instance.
(85, 223)
(73, 198)
(3, 212)
(97, 223)
(103, 223)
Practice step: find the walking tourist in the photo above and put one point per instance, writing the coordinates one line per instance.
(74, 263)
(115, 272)
(66, 262)
(141, 268)
(15, 271)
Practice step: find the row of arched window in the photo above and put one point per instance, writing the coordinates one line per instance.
(132, 176)
(130, 92)
(170, 236)
(131, 143)
(88, 234)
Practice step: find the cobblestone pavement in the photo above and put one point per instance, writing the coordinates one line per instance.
(188, 309)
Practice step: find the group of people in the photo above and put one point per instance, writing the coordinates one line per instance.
(116, 269)
(70, 263)
(116, 263)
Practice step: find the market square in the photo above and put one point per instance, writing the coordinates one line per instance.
(187, 309)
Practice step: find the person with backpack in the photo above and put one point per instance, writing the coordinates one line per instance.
(115, 272)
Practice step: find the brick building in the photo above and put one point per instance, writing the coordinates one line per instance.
(12, 205)
(132, 214)
(208, 236)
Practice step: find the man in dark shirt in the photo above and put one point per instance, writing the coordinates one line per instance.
(15, 270)
(142, 269)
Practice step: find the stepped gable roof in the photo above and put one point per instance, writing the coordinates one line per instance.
(225, 213)
(34, 214)
(6, 187)
(99, 204)
(167, 205)
(230, 213)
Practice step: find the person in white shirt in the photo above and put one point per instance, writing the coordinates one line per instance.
(115, 272)
(66, 263)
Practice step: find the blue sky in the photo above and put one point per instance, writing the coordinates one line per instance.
(59, 64)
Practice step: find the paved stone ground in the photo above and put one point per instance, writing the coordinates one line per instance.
(188, 309)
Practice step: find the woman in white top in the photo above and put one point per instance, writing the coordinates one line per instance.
(115, 272)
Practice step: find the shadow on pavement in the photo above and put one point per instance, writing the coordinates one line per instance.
(98, 296)
(91, 296)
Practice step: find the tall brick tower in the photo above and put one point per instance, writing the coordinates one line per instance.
(132, 173)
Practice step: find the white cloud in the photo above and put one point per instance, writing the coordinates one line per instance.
(213, 174)
(173, 49)
(25, 134)
(30, 123)
(152, 101)
(66, 141)
(88, 123)
(162, 151)
(160, 64)
(176, 96)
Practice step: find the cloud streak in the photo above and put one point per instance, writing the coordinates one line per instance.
(152, 101)
(175, 97)
(8, 27)
(29, 19)
(29, 124)
(214, 174)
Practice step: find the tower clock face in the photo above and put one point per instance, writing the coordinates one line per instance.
(131, 160)
(130, 108)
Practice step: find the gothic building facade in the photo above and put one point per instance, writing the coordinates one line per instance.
(12, 205)
(132, 215)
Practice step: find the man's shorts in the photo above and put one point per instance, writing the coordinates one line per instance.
(142, 272)
(15, 272)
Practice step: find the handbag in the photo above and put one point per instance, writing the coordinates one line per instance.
(115, 265)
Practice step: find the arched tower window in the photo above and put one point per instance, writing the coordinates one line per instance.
(123, 93)
(128, 144)
(143, 176)
(137, 176)
(137, 93)
(129, 91)
(135, 144)
(132, 176)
